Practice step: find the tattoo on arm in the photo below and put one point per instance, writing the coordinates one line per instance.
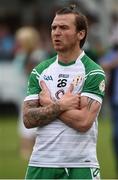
(35, 116)
(89, 103)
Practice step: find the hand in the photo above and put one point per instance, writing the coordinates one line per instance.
(79, 102)
(69, 100)
(45, 95)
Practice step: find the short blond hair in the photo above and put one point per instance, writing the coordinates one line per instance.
(28, 37)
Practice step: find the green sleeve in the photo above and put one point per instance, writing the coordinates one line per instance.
(95, 84)
(33, 84)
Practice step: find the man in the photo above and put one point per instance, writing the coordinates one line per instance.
(65, 146)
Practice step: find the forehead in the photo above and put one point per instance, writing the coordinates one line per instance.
(64, 19)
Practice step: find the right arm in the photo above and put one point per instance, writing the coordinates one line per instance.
(38, 114)
(35, 115)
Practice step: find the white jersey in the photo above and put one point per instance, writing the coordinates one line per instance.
(58, 145)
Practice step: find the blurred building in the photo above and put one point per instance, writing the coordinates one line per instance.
(38, 13)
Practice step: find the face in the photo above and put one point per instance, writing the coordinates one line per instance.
(64, 35)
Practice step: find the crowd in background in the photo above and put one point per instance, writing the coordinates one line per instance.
(27, 43)
(38, 15)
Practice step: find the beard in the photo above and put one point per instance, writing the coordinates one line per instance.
(60, 47)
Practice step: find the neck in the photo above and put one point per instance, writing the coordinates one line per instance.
(67, 57)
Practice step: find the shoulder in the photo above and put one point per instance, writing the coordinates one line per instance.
(42, 66)
(91, 66)
(33, 81)
(95, 79)
(45, 64)
(37, 71)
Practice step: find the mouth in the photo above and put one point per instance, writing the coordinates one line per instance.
(57, 41)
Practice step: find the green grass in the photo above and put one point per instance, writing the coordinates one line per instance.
(105, 150)
(12, 166)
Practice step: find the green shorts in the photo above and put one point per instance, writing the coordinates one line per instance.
(62, 173)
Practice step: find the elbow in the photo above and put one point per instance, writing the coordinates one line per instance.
(85, 123)
(26, 121)
(27, 125)
(84, 127)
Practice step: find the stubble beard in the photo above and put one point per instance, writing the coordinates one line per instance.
(65, 49)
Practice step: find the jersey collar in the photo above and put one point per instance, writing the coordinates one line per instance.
(73, 62)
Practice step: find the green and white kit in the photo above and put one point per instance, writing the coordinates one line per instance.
(58, 145)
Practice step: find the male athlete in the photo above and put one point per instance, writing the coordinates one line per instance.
(63, 100)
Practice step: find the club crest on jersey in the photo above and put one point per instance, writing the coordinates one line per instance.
(102, 86)
(77, 80)
(59, 93)
(47, 78)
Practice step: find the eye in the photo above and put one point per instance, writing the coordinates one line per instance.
(64, 27)
(53, 27)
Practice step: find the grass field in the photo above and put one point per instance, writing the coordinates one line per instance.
(13, 167)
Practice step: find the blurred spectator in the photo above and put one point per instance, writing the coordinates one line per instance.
(109, 62)
(27, 55)
(93, 47)
(6, 42)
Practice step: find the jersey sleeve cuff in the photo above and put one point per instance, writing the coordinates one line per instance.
(93, 96)
(31, 97)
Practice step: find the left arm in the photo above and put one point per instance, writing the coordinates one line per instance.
(82, 119)
(82, 113)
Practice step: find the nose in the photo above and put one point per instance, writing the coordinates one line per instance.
(57, 31)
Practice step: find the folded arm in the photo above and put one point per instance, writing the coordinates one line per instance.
(75, 111)
(41, 113)
(82, 120)
(35, 115)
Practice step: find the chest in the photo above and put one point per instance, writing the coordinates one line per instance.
(58, 79)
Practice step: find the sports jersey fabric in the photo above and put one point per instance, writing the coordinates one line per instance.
(58, 145)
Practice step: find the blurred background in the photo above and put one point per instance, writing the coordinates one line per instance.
(25, 42)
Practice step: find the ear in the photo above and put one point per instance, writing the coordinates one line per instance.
(81, 35)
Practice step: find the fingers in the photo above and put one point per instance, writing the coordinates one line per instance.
(79, 102)
(70, 89)
(44, 86)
